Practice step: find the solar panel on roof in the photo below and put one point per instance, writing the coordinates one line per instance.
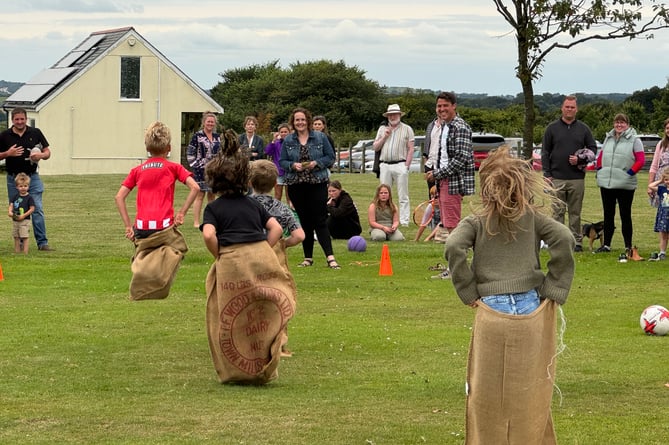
(29, 93)
(89, 43)
(51, 76)
(70, 59)
(40, 84)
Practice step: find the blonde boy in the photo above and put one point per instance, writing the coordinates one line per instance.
(21, 207)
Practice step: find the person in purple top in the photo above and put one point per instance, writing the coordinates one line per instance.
(273, 151)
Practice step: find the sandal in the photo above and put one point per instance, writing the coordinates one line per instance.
(306, 263)
(332, 264)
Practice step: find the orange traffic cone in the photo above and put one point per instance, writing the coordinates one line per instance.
(386, 268)
(2, 277)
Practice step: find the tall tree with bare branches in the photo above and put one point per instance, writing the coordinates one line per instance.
(542, 26)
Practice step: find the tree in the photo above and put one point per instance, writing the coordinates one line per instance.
(343, 94)
(542, 26)
(252, 91)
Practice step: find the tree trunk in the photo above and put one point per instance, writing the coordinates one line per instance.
(530, 117)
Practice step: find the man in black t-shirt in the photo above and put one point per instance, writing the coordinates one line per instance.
(22, 147)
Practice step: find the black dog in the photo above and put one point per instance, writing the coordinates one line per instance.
(593, 231)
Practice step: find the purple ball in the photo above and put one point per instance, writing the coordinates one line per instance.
(357, 244)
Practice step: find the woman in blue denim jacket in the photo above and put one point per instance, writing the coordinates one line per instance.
(306, 157)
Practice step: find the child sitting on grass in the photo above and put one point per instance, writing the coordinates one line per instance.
(431, 217)
(383, 216)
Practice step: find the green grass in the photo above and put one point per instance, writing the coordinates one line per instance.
(378, 360)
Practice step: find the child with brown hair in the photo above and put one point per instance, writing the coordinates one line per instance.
(250, 295)
(159, 246)
(264, 175)
(21, 207)
(383, 216)
(514, 331)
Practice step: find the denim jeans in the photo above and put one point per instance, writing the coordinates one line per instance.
(36, 189)
(516, 304)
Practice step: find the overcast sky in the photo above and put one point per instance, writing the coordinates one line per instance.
(457, 45)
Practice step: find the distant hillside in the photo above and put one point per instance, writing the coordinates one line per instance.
(7, 88)
(546, 101)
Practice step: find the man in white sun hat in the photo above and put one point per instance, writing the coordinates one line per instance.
(395, 142)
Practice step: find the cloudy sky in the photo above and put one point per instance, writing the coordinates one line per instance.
(463, 46)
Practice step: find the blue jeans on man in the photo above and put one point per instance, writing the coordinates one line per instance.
(36, 189)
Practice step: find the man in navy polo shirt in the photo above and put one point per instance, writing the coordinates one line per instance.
(22, 147)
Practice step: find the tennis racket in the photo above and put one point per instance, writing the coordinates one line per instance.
(419, 212)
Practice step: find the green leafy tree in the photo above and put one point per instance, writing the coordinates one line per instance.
(660, 111)
(419, 107)
(254, 90)
(341, 93)
(349, 100)
(542, 26)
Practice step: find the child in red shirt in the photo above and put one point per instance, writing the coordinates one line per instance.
(155, 181)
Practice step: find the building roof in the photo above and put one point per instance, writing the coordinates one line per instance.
(46, 84)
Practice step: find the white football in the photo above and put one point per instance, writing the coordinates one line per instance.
(33, 151)
(655, 320)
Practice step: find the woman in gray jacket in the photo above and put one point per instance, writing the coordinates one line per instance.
(618, 161)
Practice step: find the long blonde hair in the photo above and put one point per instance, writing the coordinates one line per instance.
(381, 205)
(509, 190)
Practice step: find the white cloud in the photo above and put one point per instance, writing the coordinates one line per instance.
(447, 44)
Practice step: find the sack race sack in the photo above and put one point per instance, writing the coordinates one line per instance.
(250, 299)
(155, 264)
(510, 377)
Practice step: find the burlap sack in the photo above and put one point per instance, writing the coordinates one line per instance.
(510, 375)
(250, 299)
(155, 264)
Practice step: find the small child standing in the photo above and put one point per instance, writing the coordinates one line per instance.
(250, 295)
(159, 246)
(21, 207)
(514, 333)
(661, 189)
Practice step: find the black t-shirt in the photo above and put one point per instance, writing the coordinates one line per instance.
(22, 204)
(238, 220)
(30, 138)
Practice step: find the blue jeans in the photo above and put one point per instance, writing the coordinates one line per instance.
(36, 189)
(516, 304)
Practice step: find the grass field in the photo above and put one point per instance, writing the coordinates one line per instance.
(377, 360)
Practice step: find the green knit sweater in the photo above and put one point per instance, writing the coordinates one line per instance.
(507, 266)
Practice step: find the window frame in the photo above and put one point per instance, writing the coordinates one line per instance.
(124, 91)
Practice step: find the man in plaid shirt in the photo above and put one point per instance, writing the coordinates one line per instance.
(450, 149)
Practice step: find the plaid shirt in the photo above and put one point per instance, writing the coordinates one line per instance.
(460, 169)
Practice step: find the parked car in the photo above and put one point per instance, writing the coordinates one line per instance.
(649, 142)
(483, 143)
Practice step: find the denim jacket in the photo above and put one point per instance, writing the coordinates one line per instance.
(320, 151)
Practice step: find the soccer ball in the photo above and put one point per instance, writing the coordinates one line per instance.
(655, 320)
(357, 244)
